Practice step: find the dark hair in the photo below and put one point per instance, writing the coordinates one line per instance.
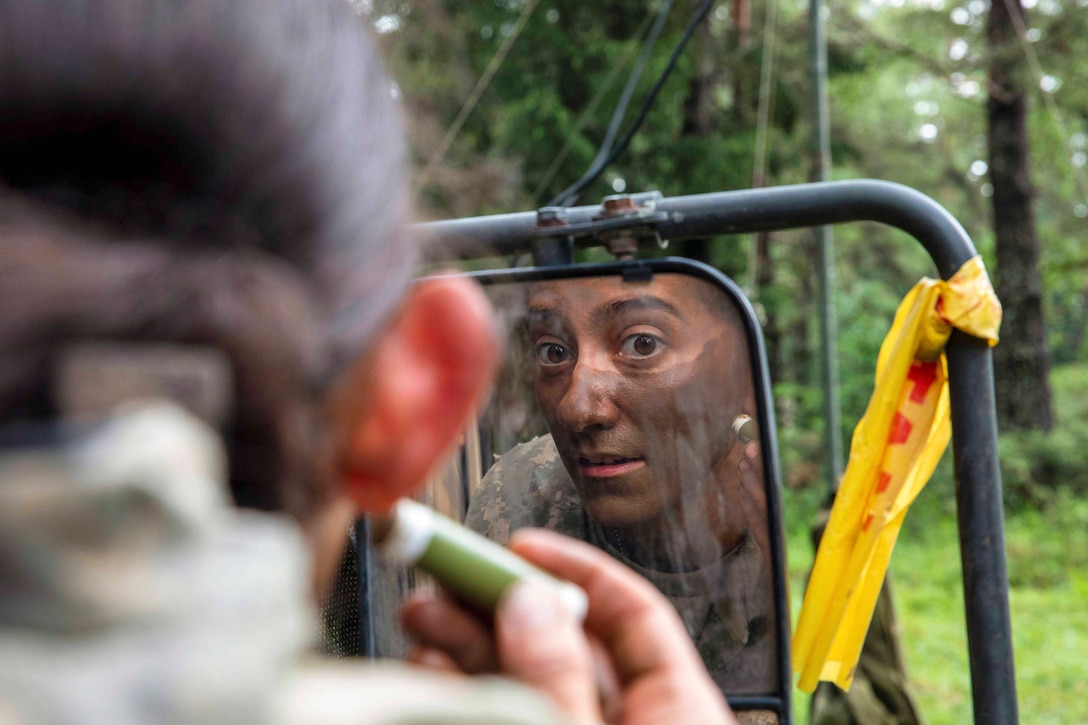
(219, 173)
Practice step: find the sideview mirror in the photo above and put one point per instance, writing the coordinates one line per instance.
(633, 411)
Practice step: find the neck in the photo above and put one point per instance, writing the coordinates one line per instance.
(686, 538)
(674, 545)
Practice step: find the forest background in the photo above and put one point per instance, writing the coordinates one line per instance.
(508, 101)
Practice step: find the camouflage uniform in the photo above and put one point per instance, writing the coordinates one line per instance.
(134, 592)
(726, 607)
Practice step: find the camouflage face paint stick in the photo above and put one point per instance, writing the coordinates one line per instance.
(467, 564)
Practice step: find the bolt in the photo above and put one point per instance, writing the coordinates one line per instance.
(551, 216)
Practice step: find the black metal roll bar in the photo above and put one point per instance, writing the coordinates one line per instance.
(970, 362)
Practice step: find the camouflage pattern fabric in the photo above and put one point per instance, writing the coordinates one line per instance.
(726, 607)
(134, 592)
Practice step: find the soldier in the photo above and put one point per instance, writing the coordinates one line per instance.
(639, 385)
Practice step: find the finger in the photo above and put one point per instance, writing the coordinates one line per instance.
(633, 620)
(541, 644)
(433, 659)
(751, 456)
(438, 623)
(609, 688)
(663, 677)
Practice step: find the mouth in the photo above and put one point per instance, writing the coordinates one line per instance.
(606, 466)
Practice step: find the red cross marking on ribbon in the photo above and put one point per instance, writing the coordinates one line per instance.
(868, 521)
(900, 429)
(923, 375)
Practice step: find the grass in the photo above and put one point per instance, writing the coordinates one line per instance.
(1048, 571)
(1046, 537)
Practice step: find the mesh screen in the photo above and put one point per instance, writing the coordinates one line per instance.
(340, 634)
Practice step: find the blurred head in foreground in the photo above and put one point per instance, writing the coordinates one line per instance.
(205, 201)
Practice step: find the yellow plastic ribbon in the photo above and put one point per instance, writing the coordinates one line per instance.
(895, 448)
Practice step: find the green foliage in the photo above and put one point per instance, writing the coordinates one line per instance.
(800, 435)
(866, 309)
(908, 89)
(1048, 562)
(1037, 466)
(1047, 607)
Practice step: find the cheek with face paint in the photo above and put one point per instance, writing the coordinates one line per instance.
(685, 413)
(548, 391)
(676, 411)
(589, 415)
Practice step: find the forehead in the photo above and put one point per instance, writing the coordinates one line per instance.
(687, 298)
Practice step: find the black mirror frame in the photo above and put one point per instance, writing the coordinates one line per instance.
(635, 270)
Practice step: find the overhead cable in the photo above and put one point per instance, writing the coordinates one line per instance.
(569, 196)
(629, 88)
(590, 108)
(763, 118)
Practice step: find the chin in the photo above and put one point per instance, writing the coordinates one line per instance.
(621, 511)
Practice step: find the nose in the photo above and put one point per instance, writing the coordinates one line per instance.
(589, 402)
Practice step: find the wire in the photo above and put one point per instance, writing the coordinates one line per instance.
(629, 88)
(632, 81)
(477, 92)
(763, 115)
(569, 196)
(606, 86)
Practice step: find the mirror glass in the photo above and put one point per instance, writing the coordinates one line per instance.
(626, 415)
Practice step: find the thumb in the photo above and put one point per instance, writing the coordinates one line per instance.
(541, 644)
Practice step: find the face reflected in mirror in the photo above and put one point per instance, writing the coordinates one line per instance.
(623, 396)
(639, 384)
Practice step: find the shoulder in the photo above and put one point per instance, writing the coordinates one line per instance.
(533, 455)
(527, 486)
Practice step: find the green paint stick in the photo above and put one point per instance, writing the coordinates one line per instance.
(464, 562)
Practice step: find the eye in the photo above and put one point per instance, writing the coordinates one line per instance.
(640, 346)
(551, 353)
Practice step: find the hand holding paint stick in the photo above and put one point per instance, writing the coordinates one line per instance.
(554, 654)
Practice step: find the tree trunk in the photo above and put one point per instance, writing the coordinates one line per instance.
(1021, 360)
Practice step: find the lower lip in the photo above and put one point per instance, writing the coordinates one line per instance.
(610, 470)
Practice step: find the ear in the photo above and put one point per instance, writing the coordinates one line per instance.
(408, 402)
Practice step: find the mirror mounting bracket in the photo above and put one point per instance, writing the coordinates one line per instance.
(638, 273)
(623, 222)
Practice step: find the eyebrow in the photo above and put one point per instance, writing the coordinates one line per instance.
(642, 303)
(546, 315)
(606, 312)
